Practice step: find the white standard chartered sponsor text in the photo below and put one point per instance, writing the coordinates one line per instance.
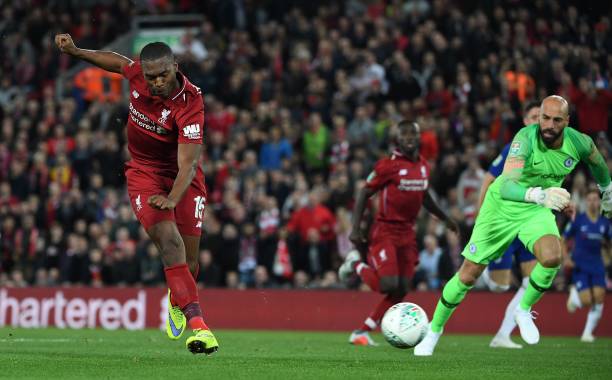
(413, 185)
(73, 312)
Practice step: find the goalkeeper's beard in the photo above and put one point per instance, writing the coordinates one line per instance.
(550, 136)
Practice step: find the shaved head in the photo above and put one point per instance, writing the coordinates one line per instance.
(557, 101)
(554, 117)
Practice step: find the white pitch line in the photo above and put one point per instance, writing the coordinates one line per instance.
(25, 340)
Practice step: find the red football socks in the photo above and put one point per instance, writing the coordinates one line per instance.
(380, 310)
(195, 274)
(368, 276)
(197, 323)
(185, 294)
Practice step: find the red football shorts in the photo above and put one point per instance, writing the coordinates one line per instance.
(188, 213)
(393, 252)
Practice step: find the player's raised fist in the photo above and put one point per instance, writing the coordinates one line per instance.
(65, 44)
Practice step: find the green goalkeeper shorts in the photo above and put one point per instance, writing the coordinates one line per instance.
(500, 222)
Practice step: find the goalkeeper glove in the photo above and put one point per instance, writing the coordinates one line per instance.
(606, 200)
(555, 198)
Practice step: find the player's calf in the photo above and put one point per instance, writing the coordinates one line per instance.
(391, 285)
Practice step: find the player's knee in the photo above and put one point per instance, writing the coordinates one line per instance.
(468, 279)
(551, 260)
(389, 285)
(548, 253)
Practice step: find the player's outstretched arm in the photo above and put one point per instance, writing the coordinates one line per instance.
(432, 206)
(357, 237)
(599, 169)
(107, 60)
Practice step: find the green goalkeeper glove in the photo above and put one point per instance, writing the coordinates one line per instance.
(606, 200)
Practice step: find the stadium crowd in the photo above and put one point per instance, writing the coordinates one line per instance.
(300, 102)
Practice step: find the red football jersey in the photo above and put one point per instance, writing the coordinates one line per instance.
(401, 185)
(156, 126)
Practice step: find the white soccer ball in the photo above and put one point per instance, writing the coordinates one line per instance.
(404, 325)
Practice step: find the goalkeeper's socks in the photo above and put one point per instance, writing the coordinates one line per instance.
(454, 292)
(540, 281)
(368, 275)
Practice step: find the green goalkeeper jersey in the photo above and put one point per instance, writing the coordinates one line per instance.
(545, 167)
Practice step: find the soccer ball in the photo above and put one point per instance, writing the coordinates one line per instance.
(404, 325)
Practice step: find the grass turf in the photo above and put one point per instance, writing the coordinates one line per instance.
(87, 354)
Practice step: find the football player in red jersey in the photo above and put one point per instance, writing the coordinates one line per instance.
(402, 184)
(165, 183)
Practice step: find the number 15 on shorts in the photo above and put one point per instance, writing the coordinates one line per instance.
(200, 201)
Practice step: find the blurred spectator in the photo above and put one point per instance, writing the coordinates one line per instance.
(151, 268)
(316, 141)
(429, 261)
(210, 273)
(592, 100)
(274, 150)
(314, 225)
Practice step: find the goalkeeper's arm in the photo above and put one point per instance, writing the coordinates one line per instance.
(599, 169)
(555, 198)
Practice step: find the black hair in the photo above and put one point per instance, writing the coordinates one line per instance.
(156, 50)
(592, 189)
(406, 123)
(530, 105)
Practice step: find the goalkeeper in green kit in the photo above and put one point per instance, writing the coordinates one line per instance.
(520, 203)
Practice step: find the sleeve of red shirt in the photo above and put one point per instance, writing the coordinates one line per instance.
(190, 121)
(576, 95)
(131, 70)
(379, 176)
(292, 225)
(605, 95)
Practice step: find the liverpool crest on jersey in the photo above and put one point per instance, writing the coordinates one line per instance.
(164, 116)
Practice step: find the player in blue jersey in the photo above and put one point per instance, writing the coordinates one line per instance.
(498, 274)
(588, 231)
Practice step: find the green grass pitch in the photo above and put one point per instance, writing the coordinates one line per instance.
(99, 354)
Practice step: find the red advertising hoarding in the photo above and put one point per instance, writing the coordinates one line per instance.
(139, 308)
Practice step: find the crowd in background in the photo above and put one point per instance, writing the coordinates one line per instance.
(300, 103)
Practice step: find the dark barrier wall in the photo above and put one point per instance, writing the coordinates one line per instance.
(138, 308)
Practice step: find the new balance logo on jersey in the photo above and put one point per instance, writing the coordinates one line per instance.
(192, 131)
(403, 172)
(135, 94)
